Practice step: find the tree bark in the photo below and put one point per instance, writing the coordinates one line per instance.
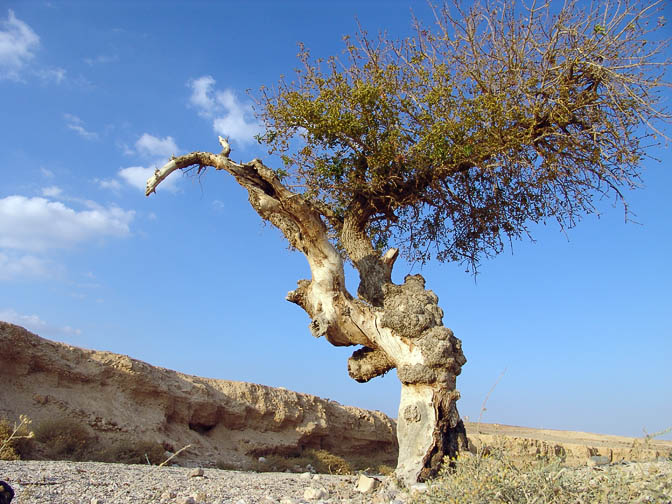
(398, 326)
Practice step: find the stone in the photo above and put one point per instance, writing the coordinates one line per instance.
(186, 500)
(366, 485)
(262, 460)
(168, 495)
(598, 460)
(312, 493)
(288, 500)
(96, 500)
(419, 487)
(305, 476)
(200, 496)
(197, 473)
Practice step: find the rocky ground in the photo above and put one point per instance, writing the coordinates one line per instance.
(98, 483)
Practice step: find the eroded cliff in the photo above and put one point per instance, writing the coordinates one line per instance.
(120, 398)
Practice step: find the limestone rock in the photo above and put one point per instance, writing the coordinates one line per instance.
(196, 473)
(366, 485)
(574, 448)
(120, 399)
(597, 460)
(311, 493)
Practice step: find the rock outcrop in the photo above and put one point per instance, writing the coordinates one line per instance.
(575, 448)
(120, 398)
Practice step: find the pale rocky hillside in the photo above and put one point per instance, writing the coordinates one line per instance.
(119, 399)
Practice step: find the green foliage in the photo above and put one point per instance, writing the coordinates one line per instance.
(497, 478)
(458, 137)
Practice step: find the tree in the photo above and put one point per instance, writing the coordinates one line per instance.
(444, 146)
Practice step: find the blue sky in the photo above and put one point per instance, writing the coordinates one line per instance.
(93, 95)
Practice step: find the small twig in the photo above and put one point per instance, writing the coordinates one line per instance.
(115, 496)
(483, 408)
(25, 421)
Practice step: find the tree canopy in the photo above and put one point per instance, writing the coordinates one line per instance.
(451, 142)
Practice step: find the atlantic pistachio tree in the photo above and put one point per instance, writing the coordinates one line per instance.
(445, 146)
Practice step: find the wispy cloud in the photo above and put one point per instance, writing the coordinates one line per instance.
(230, 117)
(38, 224)
(112, 184)
(48, 75)
(52, 191)
(15, 265)
(35, 324)
(18, 42)
(150, 146)
(102, 59)
(76, 124)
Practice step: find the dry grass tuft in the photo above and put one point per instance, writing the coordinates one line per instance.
(64, 439)
(498, 478)
(321, 461)
(14, 439)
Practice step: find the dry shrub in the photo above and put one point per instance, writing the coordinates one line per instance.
(328, 463)
(384, 465)
(498, 478)
(322, 461)
(64, 439)
(131, 452)
(7, 451)
(225, 465)
(15, 439)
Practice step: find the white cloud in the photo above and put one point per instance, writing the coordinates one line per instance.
(76, 124)
(25, 266)
(56, 75)
(35, 324)
(112, 184)
(230, 117)
(136, 176)
(17, 43)
(200, 95)
(156, 151)
(52, 191)
(37, 224)
(46, 173)
(150, 146)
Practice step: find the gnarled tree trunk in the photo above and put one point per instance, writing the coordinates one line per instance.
(398, 326)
